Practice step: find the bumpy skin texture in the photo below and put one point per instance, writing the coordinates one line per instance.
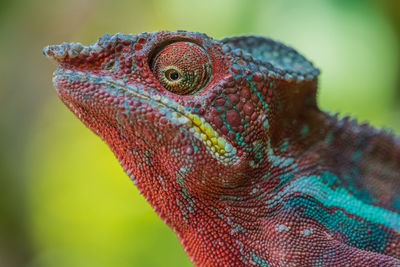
(225, 140)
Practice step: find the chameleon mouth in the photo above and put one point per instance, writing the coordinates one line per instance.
(176, 113)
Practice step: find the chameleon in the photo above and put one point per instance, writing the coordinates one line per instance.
(225, 140)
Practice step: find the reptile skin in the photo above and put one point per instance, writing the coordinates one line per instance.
(225, 140)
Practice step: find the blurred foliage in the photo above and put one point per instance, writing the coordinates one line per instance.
(65, 201)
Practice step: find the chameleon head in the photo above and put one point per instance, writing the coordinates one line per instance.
(223, 139)
(187, 116)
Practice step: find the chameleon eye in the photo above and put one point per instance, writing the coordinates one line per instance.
(182, 67)
(172, 74)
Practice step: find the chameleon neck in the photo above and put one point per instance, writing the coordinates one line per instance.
(334, 174)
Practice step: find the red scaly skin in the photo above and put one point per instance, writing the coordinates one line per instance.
(225, 140)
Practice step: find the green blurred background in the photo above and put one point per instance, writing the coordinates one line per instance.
(64, 199)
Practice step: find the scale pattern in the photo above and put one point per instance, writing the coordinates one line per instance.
(225, 140)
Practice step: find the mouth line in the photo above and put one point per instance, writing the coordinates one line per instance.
(176, 113)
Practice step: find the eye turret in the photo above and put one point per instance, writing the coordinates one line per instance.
(182, 67)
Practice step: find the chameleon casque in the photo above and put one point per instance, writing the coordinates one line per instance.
(225, 140)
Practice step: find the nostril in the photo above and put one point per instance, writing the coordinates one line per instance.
(55, 51)
(59, 52)
(79, 56)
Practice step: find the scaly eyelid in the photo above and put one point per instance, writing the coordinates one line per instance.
(190, 60)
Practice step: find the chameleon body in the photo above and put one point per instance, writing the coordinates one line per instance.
(225, 140)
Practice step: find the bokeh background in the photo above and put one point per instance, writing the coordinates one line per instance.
(64, 199)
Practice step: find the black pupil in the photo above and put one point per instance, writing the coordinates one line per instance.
(174, 75)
